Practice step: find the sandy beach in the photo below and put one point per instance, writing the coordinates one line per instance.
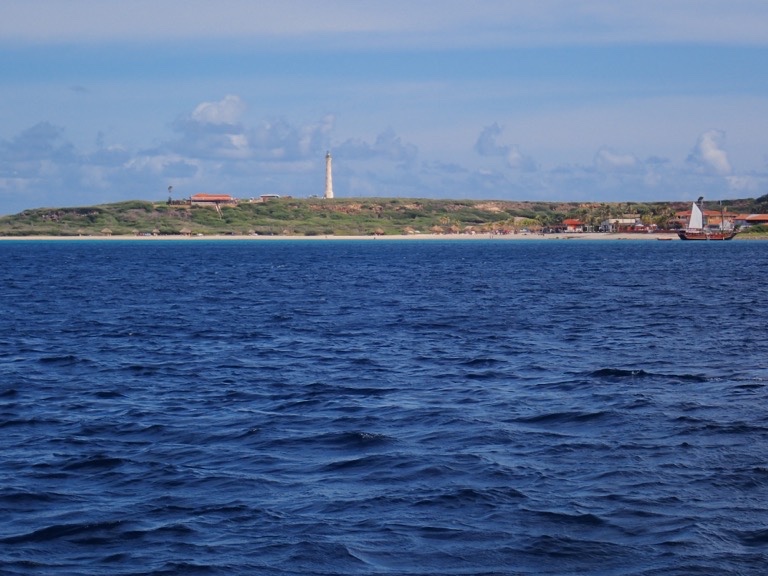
(409, 237)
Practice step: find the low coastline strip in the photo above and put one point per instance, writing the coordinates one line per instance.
(407, 237)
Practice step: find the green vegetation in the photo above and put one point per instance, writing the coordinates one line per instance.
(754, 231)
(339, 217)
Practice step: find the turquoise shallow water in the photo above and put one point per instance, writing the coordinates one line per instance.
(383, 407)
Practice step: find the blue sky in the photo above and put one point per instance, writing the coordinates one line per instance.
(550, 100)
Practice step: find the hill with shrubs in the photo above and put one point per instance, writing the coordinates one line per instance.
(344, 217)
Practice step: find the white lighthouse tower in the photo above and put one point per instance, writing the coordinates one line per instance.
(328, 177)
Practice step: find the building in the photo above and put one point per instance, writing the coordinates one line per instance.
(747, 220)
(573, 225)
(618, 224)
(203, 199)
(712, 219)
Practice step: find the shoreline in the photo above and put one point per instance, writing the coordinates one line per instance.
(403, 237)
(523, 237)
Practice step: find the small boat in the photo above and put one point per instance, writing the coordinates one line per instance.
(697, 231)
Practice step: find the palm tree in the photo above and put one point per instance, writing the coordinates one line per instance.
(664, 218)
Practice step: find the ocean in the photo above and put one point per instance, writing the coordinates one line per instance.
(342, 407)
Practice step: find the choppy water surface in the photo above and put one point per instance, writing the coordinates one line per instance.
(413, 408)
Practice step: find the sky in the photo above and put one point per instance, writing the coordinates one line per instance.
(537, 100)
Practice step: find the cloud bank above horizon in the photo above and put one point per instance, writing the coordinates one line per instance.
(441, 24)
(548, 100)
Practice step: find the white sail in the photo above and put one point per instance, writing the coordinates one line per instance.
(697, 221)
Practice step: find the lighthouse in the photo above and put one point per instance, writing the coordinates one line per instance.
(328, 177)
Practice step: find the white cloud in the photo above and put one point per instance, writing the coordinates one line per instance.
(42, 142)
(388, 146)
(746, 184)
(109, 156)
(609, 160)
(213, 130)
(229, 110)
(708, 154)
(487, 145)
(519, 161)
(279, 139)
(158, 164)
(316, 135)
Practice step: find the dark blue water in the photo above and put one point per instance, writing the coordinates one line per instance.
(410, 408)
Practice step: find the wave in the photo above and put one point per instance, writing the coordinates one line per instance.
(61, 531)
(64, 360)
(565, 417)
(620, 373)
(564, 518)
(753, 538)
(96, 462)
(489, 498)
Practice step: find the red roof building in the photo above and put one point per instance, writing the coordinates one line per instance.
(573, 225)
(711, 217)
(751, 219)
(203, 199)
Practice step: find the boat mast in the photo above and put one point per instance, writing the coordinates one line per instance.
(722, 217)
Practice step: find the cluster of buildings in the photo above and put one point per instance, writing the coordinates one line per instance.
(627, 223)
(217, 200)
(633, 222)
(747, 220)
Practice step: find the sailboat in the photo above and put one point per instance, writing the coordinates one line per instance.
(697, 231)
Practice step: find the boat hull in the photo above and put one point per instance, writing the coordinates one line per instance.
(701, 235)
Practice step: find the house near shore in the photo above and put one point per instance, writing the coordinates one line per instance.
(214, 200)
(627, 223)
(747, 220)
(574, 225)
